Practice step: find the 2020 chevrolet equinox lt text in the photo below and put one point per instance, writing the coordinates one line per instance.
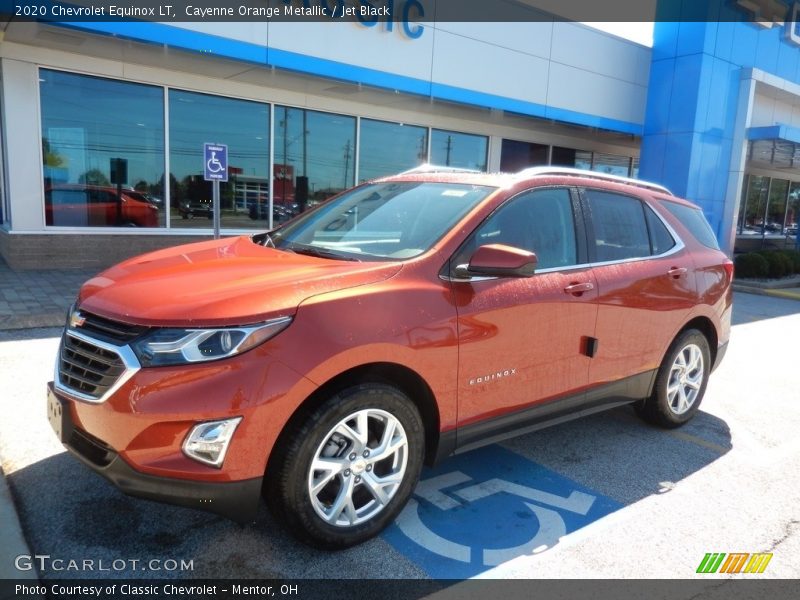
(404, 320)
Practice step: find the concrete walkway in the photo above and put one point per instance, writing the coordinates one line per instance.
(37, 298)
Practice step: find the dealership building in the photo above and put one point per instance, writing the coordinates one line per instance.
(103, 123)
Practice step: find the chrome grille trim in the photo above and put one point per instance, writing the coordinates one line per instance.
(130, 365)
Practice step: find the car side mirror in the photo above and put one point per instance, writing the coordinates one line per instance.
(499, 260)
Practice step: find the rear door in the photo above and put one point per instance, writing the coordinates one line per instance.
(646, 287)
(522, 339)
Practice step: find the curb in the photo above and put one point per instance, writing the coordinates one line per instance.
(12, 539)
(746, 289)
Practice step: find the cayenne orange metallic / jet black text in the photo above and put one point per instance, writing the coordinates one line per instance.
(321, 364)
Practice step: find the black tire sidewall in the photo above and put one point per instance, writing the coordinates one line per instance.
(295, 500)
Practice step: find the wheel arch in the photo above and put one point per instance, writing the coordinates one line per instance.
(705, 326)
(403, 378)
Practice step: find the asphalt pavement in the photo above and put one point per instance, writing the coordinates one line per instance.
(602, 497)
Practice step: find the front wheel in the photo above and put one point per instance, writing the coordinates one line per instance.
(345, 472)
(680, 383)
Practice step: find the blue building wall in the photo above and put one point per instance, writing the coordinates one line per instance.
(693, 94)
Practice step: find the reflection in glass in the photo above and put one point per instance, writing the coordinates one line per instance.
(776, 209)
(389, 148)
(516, 156)
(569, 157)
(793, 209)
(611, 163)
(462, 150)
(755, 205)
(88, 123)
(241, 124)
(314, 158)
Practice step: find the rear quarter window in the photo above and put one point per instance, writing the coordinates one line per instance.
(694, 220)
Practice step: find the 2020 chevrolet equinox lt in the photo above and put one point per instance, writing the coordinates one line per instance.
(406, 319)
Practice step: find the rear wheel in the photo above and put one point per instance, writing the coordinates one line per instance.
(347, 470)
(680, 383)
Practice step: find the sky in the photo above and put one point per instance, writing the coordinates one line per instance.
(641, 33)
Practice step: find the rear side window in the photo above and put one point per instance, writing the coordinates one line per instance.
(695, 222)
(660, 238)
(620, 230)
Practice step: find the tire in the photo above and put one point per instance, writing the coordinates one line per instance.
(362, 486)
(680, 383)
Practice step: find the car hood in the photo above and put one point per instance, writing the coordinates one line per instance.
(223, 282)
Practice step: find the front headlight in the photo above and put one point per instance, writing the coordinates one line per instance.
(180, 346)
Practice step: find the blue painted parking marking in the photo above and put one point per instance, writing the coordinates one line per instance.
(484, 508)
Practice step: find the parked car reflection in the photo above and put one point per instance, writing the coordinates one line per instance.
(76, 205)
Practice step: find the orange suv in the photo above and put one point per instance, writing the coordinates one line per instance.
(403, 321)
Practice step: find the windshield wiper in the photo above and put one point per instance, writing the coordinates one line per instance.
(319, 252)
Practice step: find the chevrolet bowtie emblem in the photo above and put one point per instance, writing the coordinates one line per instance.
(76, 319)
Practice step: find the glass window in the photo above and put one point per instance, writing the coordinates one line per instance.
(611, 163)
(694, 220)
(753, 209)
(540, 221)
(620, 231)
(635, 168)
(314, 158)
(776, 208)
(569, 157)
(195, 119)
(793, 209)
(462, 150)
(88, 123)
(660, 238)
(389, 148)
(381, 220)
(516, 156)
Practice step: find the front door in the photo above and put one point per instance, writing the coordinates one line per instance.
(522, 340)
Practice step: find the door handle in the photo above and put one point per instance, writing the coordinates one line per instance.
(579, 288)
(677, 272)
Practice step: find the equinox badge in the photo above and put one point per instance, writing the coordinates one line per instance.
(493, 376)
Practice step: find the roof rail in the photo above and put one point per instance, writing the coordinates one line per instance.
(429, 168)
(538, 171)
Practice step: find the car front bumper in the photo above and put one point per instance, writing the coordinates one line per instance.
(236, 500)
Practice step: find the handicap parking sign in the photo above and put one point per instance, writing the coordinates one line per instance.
(215, 161)
(484, 508)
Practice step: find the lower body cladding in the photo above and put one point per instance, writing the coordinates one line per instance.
(236, 500)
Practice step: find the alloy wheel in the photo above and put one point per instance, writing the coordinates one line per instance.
(685, 379)
(358, 467)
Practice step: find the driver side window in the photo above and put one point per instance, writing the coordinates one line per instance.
(539, 221)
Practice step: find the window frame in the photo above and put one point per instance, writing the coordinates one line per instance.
(590, 233)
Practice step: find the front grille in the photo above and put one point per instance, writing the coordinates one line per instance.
(115, 332)
(87, 368)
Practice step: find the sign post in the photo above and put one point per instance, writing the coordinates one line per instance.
(215, 169)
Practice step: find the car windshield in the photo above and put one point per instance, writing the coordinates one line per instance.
(379, 221)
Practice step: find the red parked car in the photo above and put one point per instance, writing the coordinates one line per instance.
(405, 320)
(78, 205)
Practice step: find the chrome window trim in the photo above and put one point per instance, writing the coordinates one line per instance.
(125, 353)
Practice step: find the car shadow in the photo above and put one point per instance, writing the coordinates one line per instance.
(69, 512)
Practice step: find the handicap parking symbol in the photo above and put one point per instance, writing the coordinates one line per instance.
(487, 507)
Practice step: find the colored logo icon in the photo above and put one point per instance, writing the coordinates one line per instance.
(734, 563)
